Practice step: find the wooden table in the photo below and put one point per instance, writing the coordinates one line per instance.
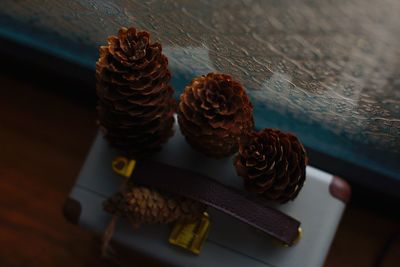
(44, 137)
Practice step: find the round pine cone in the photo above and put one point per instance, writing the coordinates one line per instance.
(273, 164)
(135, 105)
(144, 205)
(213, 113)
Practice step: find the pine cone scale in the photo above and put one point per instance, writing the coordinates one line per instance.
(273, 164)
(214, 113)
(143, 205)
(135, 107)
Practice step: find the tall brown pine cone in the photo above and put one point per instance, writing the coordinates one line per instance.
(273, 164)
(144, 205)
(135, 104)
(213, 113)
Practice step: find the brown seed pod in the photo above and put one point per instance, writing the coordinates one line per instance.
(135, 104)
(272, 164)
(213, 113)
(144, 205)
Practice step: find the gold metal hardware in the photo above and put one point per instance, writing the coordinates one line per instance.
(281, 244)
(192, 235)
(299, 236)
(123, 166)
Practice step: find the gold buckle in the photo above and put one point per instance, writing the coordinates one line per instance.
(123, 166)
(295, 242)
(191, 235)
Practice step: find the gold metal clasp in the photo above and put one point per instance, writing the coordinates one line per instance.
(123, 166)
(192, 235)
(295, 242)
(299, 236)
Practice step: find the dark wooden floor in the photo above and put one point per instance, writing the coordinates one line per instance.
(44, 136)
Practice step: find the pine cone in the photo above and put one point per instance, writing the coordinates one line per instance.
(135, 104)
(213, 113)
(143, 205)
(273, 164)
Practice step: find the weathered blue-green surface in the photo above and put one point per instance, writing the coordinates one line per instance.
(326, 70)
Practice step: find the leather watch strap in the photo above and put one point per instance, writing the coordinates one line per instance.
(203, 189)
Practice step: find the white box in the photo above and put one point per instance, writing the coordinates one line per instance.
(318, 207)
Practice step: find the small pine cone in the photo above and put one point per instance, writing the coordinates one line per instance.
(144, 205)
(273, 164)
(135, 104)
(213, 113)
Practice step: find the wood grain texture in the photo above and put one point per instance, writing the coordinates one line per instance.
(44, 137)
(44, 140)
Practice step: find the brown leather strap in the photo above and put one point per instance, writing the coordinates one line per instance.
(203, 189)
